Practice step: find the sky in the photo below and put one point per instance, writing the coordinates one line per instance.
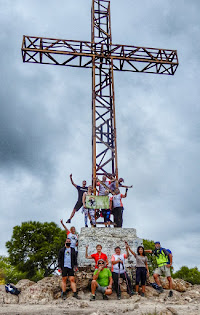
(45, 121)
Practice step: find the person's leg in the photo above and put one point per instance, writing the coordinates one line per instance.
(77, 206)
(170, 282)
(120, 218)
(72, 283)
(92, 216)
(125, 277)
(115, 277)
(137, 279)
(86, 217)
(108, 292)
(143, 279)
(157, 278)
(94, 285)
(115, 217)
(63, 284)
(117, 212)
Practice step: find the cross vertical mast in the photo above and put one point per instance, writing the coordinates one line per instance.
(104, 145)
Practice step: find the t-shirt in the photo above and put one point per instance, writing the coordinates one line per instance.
(96, 257)
(102, 189)
(67, 258)
(113, 185)
(103, 278)
(118, 268)
(117, 200)
(81, 191)
(73, 238)
(141, 261)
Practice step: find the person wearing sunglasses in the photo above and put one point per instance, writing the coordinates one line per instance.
(67, 262)
(102, 281)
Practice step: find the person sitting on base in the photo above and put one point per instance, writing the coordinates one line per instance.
(102, 281)
(79, 203)
(98, 255)
(88, 211)
(118, 271)
(164, 262)
(142, 270)
(67, 262)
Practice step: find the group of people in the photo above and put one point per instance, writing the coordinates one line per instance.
(104, 279)
(104, 188)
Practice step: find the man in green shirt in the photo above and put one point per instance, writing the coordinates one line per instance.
(102, 281)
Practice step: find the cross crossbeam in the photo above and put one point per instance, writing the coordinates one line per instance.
(103, 57)
(80, 53)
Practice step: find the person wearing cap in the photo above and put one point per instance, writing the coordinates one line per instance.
(102, 281)
(96, 256)
(67, 262)
(164, 262)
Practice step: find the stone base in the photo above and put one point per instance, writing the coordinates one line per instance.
(109, 238)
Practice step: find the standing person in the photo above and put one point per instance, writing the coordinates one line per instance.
(164, 262)
(119, 271)
(117, 207)
(98, 255)
(87, 211)
(71, 234)
(102, 281)
(81, 190)
(67, 262)
(142, 270)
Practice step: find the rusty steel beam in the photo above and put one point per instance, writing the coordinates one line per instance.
(81, 53)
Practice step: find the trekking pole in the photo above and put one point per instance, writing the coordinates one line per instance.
(129, 290)
(118, 279)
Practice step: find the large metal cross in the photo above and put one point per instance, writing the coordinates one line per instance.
(104, 58)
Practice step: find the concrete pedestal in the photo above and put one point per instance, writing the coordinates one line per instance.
(109, 238)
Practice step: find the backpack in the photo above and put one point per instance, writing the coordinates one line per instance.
(169, 252)
(10, 288)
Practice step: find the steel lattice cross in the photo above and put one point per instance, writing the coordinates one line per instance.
(104, 58)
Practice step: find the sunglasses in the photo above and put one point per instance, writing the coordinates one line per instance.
(100, 263)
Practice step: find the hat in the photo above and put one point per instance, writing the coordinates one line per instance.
(157, 242)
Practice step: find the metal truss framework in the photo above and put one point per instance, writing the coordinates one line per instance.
(104, 58)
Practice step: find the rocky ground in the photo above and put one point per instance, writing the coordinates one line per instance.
(43, 298)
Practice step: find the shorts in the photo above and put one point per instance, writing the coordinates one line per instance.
(163, 270)
(141, 275)
(78, 205)
(67, 272)
(101, 289)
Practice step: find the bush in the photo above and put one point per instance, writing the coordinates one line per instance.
(191, 275)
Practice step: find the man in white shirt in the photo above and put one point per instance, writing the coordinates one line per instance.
(118, 271)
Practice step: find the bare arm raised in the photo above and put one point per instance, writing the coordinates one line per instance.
(70, 176)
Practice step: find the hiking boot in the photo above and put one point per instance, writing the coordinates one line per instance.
(170, 293)
(119, 297)
(160, 289)
(86, 225)
(133, 293)
(75, 295)
(92, 298)
(63, 295)
(68, 221)
(105, 297)
(142, 294)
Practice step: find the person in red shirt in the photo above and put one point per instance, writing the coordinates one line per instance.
(98, 255)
